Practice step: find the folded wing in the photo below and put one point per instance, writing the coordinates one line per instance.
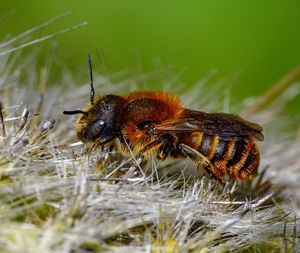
(224, 125)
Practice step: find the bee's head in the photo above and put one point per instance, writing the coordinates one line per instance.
(101, 122)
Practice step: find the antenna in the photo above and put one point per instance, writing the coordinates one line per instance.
(75, 112)
(92, 93)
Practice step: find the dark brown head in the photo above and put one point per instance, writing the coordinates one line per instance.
(101, 122)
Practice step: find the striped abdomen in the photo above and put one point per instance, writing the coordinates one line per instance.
(238, 157)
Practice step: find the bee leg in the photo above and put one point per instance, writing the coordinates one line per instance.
(167, 146)
(201, 161)
(164, 139)
(106, 155)
(140, 156)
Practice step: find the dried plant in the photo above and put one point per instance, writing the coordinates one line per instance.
(57, 196)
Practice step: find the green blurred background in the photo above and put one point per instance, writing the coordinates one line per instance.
(257, 41)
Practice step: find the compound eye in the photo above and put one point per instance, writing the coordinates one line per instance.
(93, 130)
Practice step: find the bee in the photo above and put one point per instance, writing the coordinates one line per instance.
(155, 123)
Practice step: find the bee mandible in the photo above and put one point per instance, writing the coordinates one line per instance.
(155, 123)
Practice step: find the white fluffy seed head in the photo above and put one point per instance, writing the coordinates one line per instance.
(51, 200)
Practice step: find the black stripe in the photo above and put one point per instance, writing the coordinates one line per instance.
(249, 160)
(237, 152)
(205, 145)
(221, 151)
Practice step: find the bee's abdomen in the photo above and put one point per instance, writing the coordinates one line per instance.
(238, 157)
(212, 147)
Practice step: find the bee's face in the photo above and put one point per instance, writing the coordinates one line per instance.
(103, 120)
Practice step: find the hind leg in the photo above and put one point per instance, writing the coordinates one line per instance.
(202, 162)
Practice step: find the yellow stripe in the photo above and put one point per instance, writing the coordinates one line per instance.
(197, 138)
(242, 161)
(213, 147)
(230, 149)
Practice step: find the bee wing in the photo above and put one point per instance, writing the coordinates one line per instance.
(224, 125)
